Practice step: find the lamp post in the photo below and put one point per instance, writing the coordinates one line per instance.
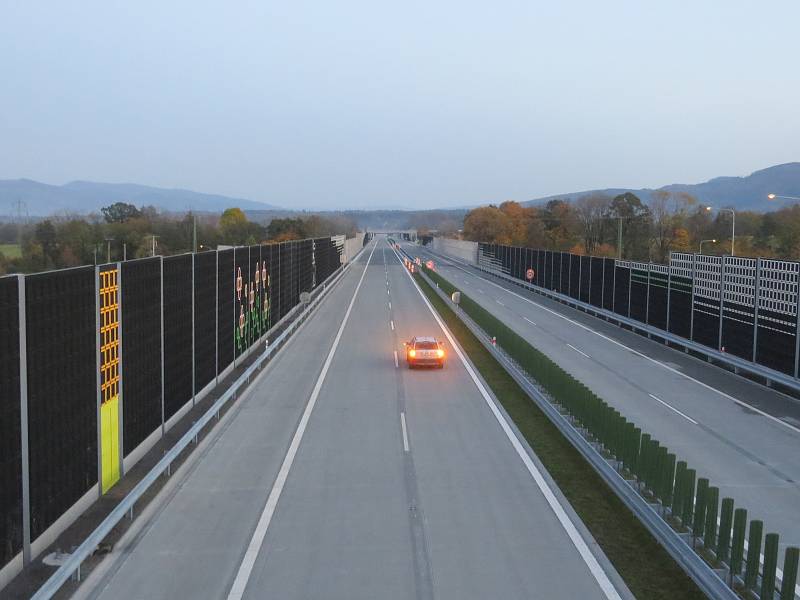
(733, 224)
(705, 241)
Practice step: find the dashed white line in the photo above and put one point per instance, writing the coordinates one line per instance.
(688, 418)
(579, 351)
(405, 431)
(257, 540)
(529, 321)
(390, 306)
(642, 355)
(498, 301)
(480, 290)
(392, 324)
(396, 364)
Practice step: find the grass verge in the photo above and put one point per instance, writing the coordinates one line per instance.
(11, 250)
(648, 570)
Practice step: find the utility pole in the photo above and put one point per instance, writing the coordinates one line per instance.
(153, 251)
(108, 249)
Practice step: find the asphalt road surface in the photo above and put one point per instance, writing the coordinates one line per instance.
(342, 474)
(743, 436)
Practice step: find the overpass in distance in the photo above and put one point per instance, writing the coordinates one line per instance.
(341, 474)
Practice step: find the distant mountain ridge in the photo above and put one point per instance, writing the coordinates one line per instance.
(743, 193)
(83, 197)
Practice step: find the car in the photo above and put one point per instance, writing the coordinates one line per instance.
(424, 352)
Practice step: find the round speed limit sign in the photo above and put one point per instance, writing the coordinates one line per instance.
(529, 274)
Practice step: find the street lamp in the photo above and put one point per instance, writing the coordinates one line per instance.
(773, 196)
(733, 224)
(705, 241)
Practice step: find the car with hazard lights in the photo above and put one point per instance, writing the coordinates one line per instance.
(424, 352)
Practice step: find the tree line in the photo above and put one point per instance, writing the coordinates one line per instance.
(125, 231)
(624, 225)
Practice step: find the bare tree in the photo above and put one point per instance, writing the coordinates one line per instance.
(592, 211)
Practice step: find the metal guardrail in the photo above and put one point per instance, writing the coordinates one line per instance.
(73, 564)
(700, 572)
(736, 363)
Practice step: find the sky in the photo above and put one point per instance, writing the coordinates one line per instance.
(350, 104)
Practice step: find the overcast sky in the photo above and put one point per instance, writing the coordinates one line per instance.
(342, 103)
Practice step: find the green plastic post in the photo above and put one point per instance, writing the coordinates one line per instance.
(700, 508)
(636, 456)
(725, 524)
(789, 573)
(642, 465)
(753, 554)
(770, 565)
(677, 494)
(737, 547)
(669, 480)
(688, 498)
(712, 510)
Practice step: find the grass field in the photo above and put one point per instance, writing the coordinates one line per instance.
(10, 250)
(645, 566)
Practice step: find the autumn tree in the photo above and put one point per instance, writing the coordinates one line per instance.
(592, 213)
(488, 224)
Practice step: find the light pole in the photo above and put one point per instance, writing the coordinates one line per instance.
(705, 241)
(108, 249)
(733, 224)
(773, 196)
(153, 252)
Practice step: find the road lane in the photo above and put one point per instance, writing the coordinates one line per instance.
(403, 486)
(750, 457)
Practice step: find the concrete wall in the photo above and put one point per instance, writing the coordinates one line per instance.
(459, 249)
(352, 246)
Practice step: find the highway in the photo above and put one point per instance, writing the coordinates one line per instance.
(741, 435)
(342, 474)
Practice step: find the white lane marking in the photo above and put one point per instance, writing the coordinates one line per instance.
(405, 431)
(253, 549)
(529, 321)
(387, 291)
(480, 290)
(392, 324)
(640, 354)
(396, 364)
(390, 306)
(500, 303)
(688, 418)
(579, 351)
(575, 537)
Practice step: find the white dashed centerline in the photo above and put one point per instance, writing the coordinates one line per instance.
(529, 321)
(672, 408)
(396, 364)
(579, 351)
(391, 323)
(405, 431)
(498, 301)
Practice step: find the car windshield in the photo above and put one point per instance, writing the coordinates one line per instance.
(426, 346)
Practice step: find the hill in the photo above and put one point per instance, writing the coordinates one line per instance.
(83, 197)
(742, 193)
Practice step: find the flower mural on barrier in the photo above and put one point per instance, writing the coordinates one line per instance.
(253, 301)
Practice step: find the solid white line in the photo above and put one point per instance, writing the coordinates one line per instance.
(641, 355)
(500, 303)
(688, 418)
(392, 324)
(575, 537)
(579, 351)
(253, 549)
(405, 431)
(396, 364)
(529, 321)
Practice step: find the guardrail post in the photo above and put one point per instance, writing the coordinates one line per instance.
(753, 554)
(789, 573)
(712, 510)
(737, 546)
(770, 565)
(688, 498)
(725, 523)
